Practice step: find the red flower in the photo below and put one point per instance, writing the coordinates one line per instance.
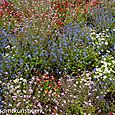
(77, 5)
(94, 3)
(1, 13)
(60, 23)
(110, 113)
(61, 10)
(66, 3)
(58, 6)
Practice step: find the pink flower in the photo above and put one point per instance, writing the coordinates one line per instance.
(59, 83)
(5, 3)
(0, 7)
(38, 80)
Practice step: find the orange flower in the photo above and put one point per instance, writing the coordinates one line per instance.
(54, 89)
(46, 81)
(46, 91)
(86, 8)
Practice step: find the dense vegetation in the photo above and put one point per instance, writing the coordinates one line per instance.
(58, 56)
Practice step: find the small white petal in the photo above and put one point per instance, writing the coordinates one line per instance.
(106, 43)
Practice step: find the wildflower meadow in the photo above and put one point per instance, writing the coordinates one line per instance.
(57, 57)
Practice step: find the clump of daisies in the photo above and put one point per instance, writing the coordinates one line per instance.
(106, 69)
(99, 39)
